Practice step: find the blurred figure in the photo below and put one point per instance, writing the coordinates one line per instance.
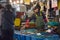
(1, 12)
(38, 19)
(8, 22)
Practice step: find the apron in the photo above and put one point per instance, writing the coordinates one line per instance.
(39, 22)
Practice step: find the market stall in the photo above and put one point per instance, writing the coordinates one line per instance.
(29, 28)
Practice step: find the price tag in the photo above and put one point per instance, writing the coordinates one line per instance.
(57, 12)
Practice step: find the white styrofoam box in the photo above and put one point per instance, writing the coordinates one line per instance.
(22, 8)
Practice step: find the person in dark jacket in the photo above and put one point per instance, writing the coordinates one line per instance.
(8, 22)
(1, 12)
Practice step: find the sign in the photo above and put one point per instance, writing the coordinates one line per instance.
(27, 2)
(58, 4)
(54, 3)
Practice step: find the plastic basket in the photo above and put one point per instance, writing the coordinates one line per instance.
(16, 37)
(28, 37)
(23, 37)
(36, 37)
(52, 37)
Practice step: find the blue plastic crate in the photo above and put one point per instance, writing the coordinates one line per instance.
(55, 37)
(49, 38)
(36, 38)
(52, 37)
(23, 37)
(16, 37)
(28, 37)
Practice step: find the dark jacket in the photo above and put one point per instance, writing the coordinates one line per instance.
(8, 19)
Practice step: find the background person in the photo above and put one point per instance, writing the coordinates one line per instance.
(8, 22)
(1, 12)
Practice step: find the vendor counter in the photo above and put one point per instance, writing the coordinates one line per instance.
(18, 36)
